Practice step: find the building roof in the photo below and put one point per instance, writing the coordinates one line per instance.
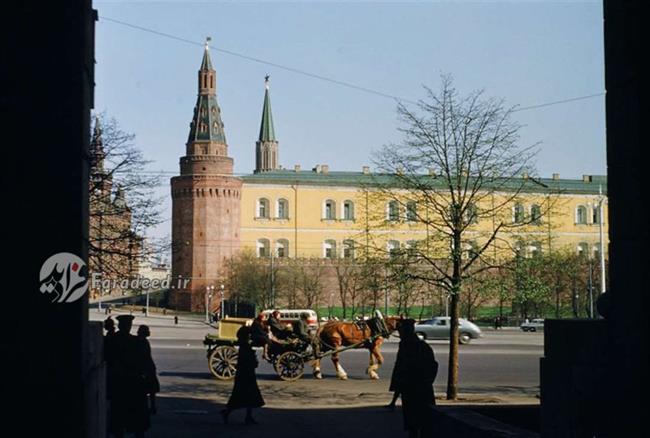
(589, 184)
(206, 63)
(206, 122)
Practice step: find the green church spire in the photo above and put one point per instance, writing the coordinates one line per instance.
(267, 131)
(266, 147)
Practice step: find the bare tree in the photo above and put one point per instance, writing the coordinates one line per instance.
(459, 174)
(121, 201)
(248, 279)
(311, 281)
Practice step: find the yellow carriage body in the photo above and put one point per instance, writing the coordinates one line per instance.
(227, 327)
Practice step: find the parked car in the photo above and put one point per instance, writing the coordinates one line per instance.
(532, 326)
(438, 328)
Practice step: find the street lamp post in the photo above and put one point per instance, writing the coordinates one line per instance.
(221, 309)
(208, 295)
(602, 242)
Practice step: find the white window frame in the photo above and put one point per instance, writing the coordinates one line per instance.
(267, 205)
(332, 215)
(286, 208)
(263, 243)
(331, 245)
(284, 245)
(351, 210)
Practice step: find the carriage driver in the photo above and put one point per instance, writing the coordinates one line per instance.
(300, 328)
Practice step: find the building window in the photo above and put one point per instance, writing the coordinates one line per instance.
(412, 247)
(535, 249)
(596, 250)
(393, 248)
(469, 249)
(581, 214)
(520, 249)
(595, 215)
(535, 214)
(263, 248)
(283, 209)
(393, 211)
(348, 210)
(282, 248)
(471, 214)
(263, 208)
(329, 249)
(518, 213)
(330, 210)
(411, 211)
(348, 249)
(583, 249)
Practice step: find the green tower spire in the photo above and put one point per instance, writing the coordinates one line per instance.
(267, 131)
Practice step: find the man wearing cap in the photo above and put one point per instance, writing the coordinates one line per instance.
(415, 370)
(129, 408)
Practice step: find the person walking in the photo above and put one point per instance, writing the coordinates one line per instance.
(150, 376)
(415, 371)
(245, 393)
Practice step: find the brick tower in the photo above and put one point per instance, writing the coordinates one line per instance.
(205, 203)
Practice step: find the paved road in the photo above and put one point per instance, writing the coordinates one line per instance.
(502, 363)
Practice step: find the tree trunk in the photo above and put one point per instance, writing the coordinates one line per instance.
(452, 378)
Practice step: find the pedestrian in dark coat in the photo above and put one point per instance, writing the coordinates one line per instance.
(245, 393)
(109, 326)
(415, 371)
(129, 410)
(150, 376)
(393, 383)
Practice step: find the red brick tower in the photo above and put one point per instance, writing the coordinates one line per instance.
(205, 203)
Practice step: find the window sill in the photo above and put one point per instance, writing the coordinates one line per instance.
(262, 219)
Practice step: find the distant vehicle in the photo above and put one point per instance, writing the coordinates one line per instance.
(532, 326)
(438, 328)
(291, 316)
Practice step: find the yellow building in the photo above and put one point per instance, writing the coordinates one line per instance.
(331, 214)
(322, 213)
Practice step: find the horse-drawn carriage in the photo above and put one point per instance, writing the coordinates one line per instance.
(289, 357)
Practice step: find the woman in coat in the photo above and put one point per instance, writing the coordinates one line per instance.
(245, 393)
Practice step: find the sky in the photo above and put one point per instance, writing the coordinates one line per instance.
(529, 53)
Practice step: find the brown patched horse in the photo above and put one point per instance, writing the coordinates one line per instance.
(337, 334)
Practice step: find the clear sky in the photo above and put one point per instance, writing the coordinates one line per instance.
(528, 53)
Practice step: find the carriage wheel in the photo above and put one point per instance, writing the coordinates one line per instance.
(290, 366)
(223, 362)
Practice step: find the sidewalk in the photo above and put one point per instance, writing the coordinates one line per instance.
(162, 326)
(200, 418)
